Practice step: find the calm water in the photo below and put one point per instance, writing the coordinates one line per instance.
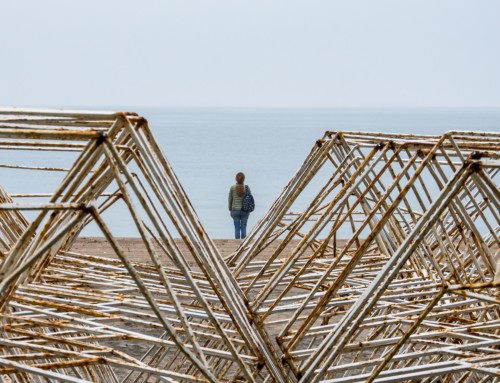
(207, 147)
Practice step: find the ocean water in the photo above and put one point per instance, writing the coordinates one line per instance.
(208, 146)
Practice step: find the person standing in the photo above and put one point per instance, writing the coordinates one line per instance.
(240, 217)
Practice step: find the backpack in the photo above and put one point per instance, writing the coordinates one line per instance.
(248, 203)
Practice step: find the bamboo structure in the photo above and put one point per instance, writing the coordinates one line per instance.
(390, 273)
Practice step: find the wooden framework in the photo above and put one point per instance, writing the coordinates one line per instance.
(388, 274)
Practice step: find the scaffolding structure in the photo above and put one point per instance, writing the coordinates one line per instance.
(76, 318)
(389, 273)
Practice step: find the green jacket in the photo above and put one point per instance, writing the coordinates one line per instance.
(234, 200)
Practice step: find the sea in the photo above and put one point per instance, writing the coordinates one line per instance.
(208, 146)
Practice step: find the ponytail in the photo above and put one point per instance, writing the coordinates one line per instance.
(240, 186)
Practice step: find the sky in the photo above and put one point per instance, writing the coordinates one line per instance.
(263, 53)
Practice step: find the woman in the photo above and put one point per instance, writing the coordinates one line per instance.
(240, 218)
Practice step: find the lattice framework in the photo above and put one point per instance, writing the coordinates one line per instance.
(388, 274)
(65, 315)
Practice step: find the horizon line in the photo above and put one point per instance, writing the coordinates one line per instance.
(129, 107)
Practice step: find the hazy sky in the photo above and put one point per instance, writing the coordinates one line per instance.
(250, 53)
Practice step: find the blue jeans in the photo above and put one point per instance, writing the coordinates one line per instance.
(240, 219)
